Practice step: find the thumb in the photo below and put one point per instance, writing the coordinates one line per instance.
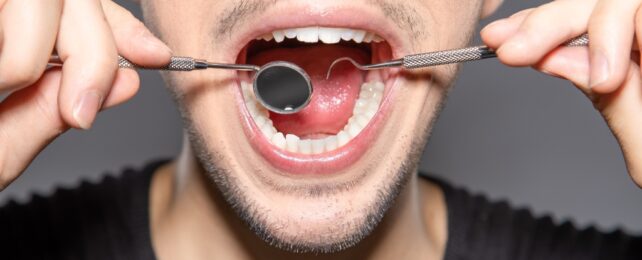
(570, 63)
(621, 108)
(29, 120)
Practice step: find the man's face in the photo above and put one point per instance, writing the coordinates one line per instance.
(322, 179)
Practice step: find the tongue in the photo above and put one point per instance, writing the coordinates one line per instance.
(332, 100)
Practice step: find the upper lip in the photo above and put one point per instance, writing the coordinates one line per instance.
(296, 15)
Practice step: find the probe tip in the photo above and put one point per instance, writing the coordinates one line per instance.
(342, 59)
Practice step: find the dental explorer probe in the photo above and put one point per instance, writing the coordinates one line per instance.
(436, 58)
(281, 87)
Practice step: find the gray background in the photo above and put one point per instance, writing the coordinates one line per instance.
(509, 133)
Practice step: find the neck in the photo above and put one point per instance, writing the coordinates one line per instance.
(191, 220)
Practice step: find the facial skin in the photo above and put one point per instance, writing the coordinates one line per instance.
(314, 211)
(329, 191)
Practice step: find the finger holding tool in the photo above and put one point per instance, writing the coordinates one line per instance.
(281, 87)
(86, 45)
(27, 36)
(436, 58)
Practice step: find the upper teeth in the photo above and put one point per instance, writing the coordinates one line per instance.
(327, 35)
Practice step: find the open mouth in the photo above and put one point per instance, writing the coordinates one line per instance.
(341, 121)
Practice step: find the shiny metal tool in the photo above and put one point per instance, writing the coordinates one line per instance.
(436, 58)
(284, 88)
(281, 87)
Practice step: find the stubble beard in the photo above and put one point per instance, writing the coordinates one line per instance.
(254, 216)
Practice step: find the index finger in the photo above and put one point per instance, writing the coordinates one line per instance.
(29, 34)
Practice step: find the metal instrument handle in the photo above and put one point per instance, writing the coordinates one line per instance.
(467, 54)
(177, 63)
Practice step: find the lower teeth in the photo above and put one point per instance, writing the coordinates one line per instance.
(364, 110)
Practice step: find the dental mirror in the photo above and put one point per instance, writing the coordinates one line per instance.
(284, 88)
(281, 87)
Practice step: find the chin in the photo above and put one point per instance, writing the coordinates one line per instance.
(322, 179)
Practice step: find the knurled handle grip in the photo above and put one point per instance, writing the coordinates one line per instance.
(176, 63)
(446, 57)
(467, 54)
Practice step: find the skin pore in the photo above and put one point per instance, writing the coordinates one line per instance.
(220, 199)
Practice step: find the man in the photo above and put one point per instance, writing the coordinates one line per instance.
(337, 180)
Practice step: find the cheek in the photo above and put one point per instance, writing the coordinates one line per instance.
(447, 24)
(217, 84)
(423, 96)
(180, 24)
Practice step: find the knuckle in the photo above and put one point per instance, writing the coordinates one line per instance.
(107, 62)
(18, 76)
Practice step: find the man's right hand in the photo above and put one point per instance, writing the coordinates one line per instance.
(88, 35)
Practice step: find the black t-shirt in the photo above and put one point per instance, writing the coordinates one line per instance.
(109, 220)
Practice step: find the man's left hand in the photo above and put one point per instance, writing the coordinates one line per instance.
(608, 72)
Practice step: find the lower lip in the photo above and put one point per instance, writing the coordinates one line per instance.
(314, 164)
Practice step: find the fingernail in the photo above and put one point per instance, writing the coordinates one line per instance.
(86, 108)
(150, 39)
(599, 69)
